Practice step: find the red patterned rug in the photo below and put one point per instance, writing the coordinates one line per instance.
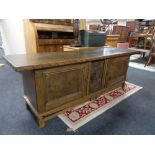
(80, 115)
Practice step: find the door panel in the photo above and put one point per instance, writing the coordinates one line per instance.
(64, 84)
(96, 76)
(116, 70)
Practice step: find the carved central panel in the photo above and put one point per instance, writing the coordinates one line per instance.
(96, 76)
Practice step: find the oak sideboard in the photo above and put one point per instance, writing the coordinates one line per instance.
(56, 81)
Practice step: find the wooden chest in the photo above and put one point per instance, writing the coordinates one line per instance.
(54, 82)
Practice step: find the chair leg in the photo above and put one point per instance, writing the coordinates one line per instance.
(143, 54)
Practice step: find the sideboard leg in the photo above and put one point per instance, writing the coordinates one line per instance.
(41, 123)
(123, 84)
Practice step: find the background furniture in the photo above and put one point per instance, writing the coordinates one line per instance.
(104, 25)
(123, 45)
(142, 45)
(142, 51)
(133, 26)
(152, 50)
(76, 23)
(144, 41)
(94, 27)
(56, 81)
(122, 31)
(145, 34)
(92, 38)
(133, 32)
(140, 35)
(145, 23)
(133, 41)
(112, 40)
(140, 32)
(47, 35)
(107, 25)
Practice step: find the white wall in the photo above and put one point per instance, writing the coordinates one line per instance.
(1, 32)
(13, 36)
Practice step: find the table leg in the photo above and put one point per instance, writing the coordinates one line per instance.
(41, 123)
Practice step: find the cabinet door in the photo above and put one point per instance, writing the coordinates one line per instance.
(96, 76)
(116, 70)
(61, 85)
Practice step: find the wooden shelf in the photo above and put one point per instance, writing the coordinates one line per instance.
(55, 41)
(67, 22)
(49, 27)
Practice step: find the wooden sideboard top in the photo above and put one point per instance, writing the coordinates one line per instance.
(21, 62)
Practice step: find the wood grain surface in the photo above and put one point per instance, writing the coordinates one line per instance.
(33, 61)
